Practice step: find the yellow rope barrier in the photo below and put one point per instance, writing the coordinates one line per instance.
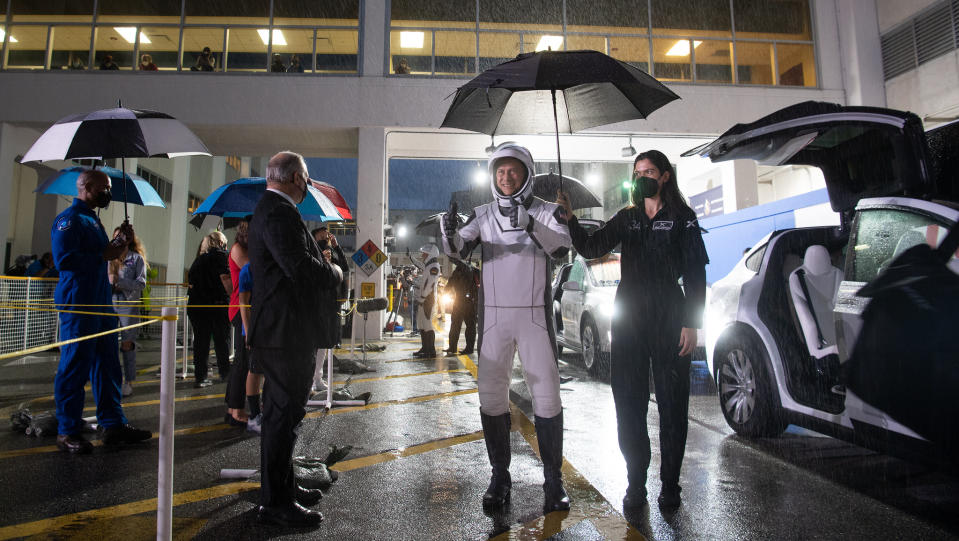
(38, 349)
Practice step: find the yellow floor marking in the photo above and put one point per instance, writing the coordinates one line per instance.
(396, 376)
(122, 510)
(362, 462)
(132, 528)
(376, 405)
(156, 402)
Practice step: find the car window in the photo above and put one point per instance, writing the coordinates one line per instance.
(882, 234)
(578, 272)
(605, 271)
(754, 261)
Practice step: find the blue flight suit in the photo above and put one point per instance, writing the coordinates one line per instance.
(78, 240)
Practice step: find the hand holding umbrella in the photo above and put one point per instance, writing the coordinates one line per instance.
(562, 199)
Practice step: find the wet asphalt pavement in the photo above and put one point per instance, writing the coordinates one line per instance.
(418, 468)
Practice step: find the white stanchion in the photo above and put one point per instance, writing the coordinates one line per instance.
(167, 388)
(234, 473)
(329, 402)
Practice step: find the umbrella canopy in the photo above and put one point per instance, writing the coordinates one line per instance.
(430, 226)
(545, 186)
(132, 188)
(590, 88)
(239, 198)
(116, 133)
(335, 196)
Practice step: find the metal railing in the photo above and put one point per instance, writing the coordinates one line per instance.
(21, 328)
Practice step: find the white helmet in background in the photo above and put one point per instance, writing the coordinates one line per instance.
(518, 152)
(431, 250)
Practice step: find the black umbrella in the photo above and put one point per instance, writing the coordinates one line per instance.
(584, 89)
(116, 133)
(580, 197)
(430, 226)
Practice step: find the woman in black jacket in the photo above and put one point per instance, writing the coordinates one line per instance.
(210, 287)
(655, 319)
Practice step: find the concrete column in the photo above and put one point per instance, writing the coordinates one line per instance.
(217, 172)
(740, 187)
(860, 53)
(13, 142)
(370, 215)
(178, 219)
(373, 35)
(245, 165)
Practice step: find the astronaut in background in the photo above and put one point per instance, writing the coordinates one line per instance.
(425, 295)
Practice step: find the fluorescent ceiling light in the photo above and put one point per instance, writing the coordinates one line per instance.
(549, 42)
(129, 33)
(12, 39)
(411, 40)
(682, 48)
(278, 38)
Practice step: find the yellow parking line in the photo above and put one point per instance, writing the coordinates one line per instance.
(396, 376)
(376, 405)
(362, 462)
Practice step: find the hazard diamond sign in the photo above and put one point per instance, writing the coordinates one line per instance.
(369, 257)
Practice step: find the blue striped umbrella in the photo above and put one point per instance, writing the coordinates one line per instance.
(238, 199)
(125, 187)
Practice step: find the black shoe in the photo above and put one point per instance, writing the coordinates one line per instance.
(451, 351)
(634, 498)
(424, 354)
(233, 421)
(467, 351)
(308, 496)
(294, 516)
(124, 434)
(74, 444)
(201, 383)
(669, 497)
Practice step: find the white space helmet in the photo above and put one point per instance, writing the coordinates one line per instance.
(431, 250)
(511, 150)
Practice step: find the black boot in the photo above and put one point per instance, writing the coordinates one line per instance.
(429, 344)
(496, 432)
(549, 433)
(469, 347)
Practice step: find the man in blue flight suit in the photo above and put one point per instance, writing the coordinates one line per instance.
(81, 250)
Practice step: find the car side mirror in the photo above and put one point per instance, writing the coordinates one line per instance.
(571, 285)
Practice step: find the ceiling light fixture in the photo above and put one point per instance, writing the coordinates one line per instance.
(549, 42)
(278, 38)
(12, 39)
(129, 33)
(629, 149)
(412, 40)
(681, 48)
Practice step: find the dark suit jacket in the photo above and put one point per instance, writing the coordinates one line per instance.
(288, 274)
(330, 300)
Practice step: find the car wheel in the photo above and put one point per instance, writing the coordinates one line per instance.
(596, 361)
(747, 397)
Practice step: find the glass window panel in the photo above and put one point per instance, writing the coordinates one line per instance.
(50, 11)
(783, 19)
(586, 43)
(246, 50)
(194, 41)
(139, 11)
(336, 50)
(634, 51)
(714, 62)
(754, 63)
(314, 13)
(613, 16)
(299, 44)
(26, 47)
(228, 11)
(163, 46)
(455, 53)
(416, 53)
(496, 48)
(671, 58)
(71, 47)
(692, 17)
(111, 41)
(440, 13)
(540, 13)
(797, 65)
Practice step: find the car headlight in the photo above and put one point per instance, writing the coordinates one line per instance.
(608, 310)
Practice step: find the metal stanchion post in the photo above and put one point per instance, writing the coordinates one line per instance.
(26, 317)
(167, 387)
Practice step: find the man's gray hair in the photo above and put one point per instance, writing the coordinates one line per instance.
(283, 166)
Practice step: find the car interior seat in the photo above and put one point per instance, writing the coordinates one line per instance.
(815, 302)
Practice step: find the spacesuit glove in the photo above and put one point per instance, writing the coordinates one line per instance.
(518, 215)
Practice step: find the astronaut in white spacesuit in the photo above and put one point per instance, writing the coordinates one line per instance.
(519, 234)
(425, 291)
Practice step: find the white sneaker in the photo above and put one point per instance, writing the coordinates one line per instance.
(126, 389)
(254, 424)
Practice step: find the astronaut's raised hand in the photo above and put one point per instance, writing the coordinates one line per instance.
(449, 221)
(518, 215)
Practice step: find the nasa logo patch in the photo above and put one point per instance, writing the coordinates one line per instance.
(64, 224)
(662, 225)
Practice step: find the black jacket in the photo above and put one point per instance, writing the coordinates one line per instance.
(330, 300)
(288, 276)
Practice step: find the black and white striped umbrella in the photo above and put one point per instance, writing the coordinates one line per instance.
(116, 133)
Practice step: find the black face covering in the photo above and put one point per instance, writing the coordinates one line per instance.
(103, 199)
(644, 187)
(323, 244)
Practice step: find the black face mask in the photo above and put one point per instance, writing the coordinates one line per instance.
(644, 187)
(323, 244)
(103, 199)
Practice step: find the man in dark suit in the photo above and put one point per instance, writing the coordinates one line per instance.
(288, 273)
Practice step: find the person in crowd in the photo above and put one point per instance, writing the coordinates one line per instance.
(295, 66)
(128, 276)
(520, 234)
(425, 294)
(207, 300)
(76, 62)
(205, 62)
(289, 274)
(403, 67)
(108, 64)
(80, 251)
(661, 243)
(43, 267)
(411, 278)
(146, 63)
(464, 282)
(277, 66)
(254, 378)
(236, 396)
(330, 301)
